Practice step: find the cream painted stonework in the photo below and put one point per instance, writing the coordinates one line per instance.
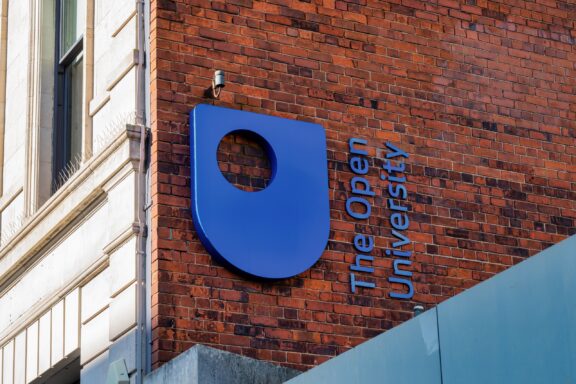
(71, 261)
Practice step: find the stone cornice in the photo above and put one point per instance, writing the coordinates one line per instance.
(69, 203)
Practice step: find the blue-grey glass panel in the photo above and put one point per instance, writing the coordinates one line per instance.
(518, 327)
(405, 354)
(73, 15)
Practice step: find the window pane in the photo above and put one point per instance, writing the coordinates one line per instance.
(72, 24)
(76, 109)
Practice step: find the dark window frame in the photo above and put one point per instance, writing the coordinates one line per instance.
(62, 126)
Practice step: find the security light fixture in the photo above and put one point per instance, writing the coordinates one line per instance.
(418, 309)
(218, 82)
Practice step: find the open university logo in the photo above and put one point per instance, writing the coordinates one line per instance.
(275, 233)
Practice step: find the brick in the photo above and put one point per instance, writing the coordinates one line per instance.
(478, 93)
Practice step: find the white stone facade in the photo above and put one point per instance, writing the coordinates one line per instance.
(72, 262)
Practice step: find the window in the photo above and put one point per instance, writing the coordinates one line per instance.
(68, 111)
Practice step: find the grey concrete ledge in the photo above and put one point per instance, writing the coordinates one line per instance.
(205, 365)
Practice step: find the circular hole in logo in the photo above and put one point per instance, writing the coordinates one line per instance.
(246, 160)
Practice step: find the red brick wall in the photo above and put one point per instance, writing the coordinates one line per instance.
(480, 93)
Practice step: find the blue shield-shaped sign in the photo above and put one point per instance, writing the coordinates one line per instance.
(274, 233)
